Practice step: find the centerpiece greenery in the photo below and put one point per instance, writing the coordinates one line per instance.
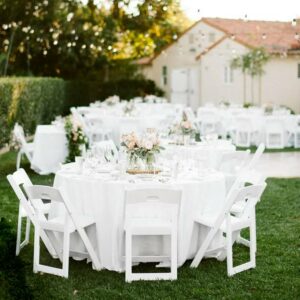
(183, 130)
(142, 150)
(77, 140)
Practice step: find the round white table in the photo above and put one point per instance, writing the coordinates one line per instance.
(50, 148)
(102, 197)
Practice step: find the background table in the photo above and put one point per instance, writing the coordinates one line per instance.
(50, 148)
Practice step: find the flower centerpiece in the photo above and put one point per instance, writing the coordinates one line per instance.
(112, 100)
(183, 130)
(141, 151)
(77, 140)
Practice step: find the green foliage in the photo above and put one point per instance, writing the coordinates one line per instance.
(130, 88)
(29, 101)
(248, 104)
(12, 274)
(252, 62)
(76, 139)
(73, 39)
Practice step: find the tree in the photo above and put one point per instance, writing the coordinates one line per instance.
(252, 63)
(73, 39)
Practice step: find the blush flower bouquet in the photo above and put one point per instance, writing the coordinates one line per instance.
(142, 149)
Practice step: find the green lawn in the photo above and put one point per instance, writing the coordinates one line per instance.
(277, 275)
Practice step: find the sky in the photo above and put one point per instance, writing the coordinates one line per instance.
(279, 10)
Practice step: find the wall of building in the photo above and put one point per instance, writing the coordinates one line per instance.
(181, 54)
(280, 84)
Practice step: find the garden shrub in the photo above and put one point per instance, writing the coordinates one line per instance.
(29, 101)
(130, 88)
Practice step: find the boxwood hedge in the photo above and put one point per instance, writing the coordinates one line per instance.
(29, 101)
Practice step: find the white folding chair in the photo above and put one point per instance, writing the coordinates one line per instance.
(26, 148)
(96, 130)
(243, 133)
(274, 134)
(231, 225)
(66, 224)
(231, 164)
(17, 180)
(108, 149)
(256, 157)
(151, 212)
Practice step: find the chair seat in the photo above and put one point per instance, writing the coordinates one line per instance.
(58, 223)
(148, 226)
(236, 223)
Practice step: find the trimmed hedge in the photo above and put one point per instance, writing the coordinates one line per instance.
(38, 100)
(29, 101)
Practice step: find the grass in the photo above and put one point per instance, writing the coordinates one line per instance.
(287, 149)
(277, 275)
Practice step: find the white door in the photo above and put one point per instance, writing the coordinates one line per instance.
(179, 86)
(185, 86)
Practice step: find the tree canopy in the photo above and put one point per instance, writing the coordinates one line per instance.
(80, 39)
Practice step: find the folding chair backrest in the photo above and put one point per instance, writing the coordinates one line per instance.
(250, 195)
(153, 203)
(38, 193)
(257, 155)
(233, 162)
(17, 180)
(274, 125)
(20, 137)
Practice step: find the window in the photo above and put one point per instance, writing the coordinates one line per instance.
(164, 75)
(211, 37)
(228, 74)
(298, 70)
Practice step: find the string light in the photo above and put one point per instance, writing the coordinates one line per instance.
(264, 36)
(294, 22)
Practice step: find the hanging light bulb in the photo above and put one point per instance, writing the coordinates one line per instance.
(297, 36)
(263, 36)
(232, 36)
(294, 22)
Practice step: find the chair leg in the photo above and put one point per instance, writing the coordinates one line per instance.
(252, 244)
(19, 158)
(66, 253)
(19, 232)
(36, 253)
(27, 235)
(229, 253)
(174, 255)
(128, 256)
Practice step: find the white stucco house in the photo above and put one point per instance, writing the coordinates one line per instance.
(196, 68)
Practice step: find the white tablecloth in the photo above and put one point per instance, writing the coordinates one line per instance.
(210, 153)
(50, 149)
(104, 200)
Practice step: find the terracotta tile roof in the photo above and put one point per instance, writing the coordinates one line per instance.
(274, 36)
